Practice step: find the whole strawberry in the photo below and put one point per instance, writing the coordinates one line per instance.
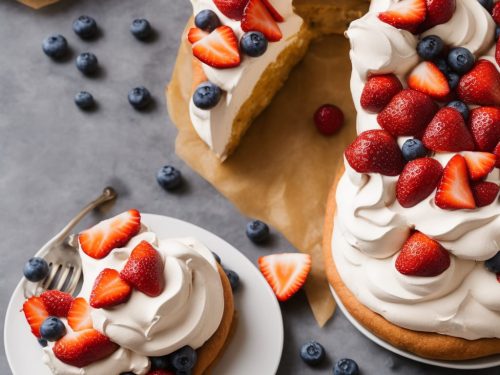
(375, 151)
(378, 91)
(484, 124)
(484, 193)
(480, 86)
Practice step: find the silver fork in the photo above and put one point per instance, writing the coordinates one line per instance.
(62, 255)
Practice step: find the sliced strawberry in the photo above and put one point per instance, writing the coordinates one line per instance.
(285, 273)
(379, 91)
(496, 14)
(480, 86)
(81, 348)
(408, 113)
(454, 191)
(405, 14)
(438, 12)
(57, 303)
(98, 241)
(417, 181)
(484, 124)
(427, 78)
(195, 35)
(484, 193)
(422, 256)
(35, 313)
(276, 15)
(219, 49)
(497, 154)
(232, 8)
(109, 290)
(257, 18)
(144, 270)
(447, 132)
(79, 317)
(479, 164)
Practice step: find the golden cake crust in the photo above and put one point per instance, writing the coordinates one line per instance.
(423, 344)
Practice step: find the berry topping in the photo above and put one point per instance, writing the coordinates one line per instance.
(253, 44)
(57, 303)
(497, 154)
(87, 63)
(375, 151)
(35, 313)
(84, 100)
(274, 13)
(43, 343)
(258, 18)
(427, 78)
(430, 47)
(36, 269)
(233, 278)
(257, 231)
(82, 348)
(98, 241)
(408, 113)
(85, 27)
(232, 8)
(453, 82)
(168, 177)
(346, 366)
(479, 164)
(460, 107)
(495, 13)
(379, 90)
(196, 34)
(417, 181)
(413, 149)
(52, 329)
(285, 273)
(79, 315)
(139, 97)
(405, 14)
(328, 119)
(55, 46)
(312, 353)
(447, 132)
(219, 49)
(144, 270)
(497, 48)
(184, 359)
(493, 264)
(207, 20)
(484, 125)
(141, 28)
(484, 193)
(109, 290)
(461, 60)
(454, 191)
(422, 256)
(207, 95)
(160, 363)
(438, 12)
(481, 85)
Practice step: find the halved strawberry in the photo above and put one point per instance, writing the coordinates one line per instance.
(79, 317)
(285, 273)
(438, 12)
(484, 124)
(479, 164)
(231, 8)
(422, 256)
(379, 91)
(276, 15)
(195, 34)
(109, 290)
(144, 270)
(405, 14)
(57, 303)
(35, 313)
(480, 86)
(81, 348)
(219, 49)
(98, 241)
(454, 191)
(256, 17)
(427, 78)
(484, 193)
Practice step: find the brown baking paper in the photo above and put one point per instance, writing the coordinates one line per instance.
(37, 4)
(283, 169)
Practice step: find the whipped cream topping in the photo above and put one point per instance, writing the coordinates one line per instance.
(214, 126)
(371, 226)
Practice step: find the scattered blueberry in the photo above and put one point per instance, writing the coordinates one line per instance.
(207, 95)
(207, 20)
(43, 343)
(234, 279)
(453, 80)
(460, 107)
(183, 359)
(487, 4)
(257, 231)
(85, 27)
(139, 97)
(346, 367)
(493, 264)
(160, 363)
(87, 63)
(413, 149)
(461, 60)
(84, 100)
(52, 329)
(430, 47)
(253, 43)
(312, 353)
(141, 28)
(497, 33)
(36, 269)
(217, 257)
(55, 46)
(169, 177)
(442, 65)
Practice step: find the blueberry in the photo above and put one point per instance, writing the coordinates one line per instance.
(141, 28)
(43, 343)
(312, 353)
(253, 43)
(184, 359)
(85, 27)
(233, 278)
(160, 363)
(217, 257)
(346, 367)
(453, 80)
(257, 231)
(207, 95)
(84, 100)
(413, 149)
(461, 60)
(87, 63)
(169, 177)
(36, 269)
(497, 33)
(430, 47)
(460, 107)
(493, 264)
(52, 329)
(442, 65)
(487, 4)
(55, 46)
(139, 97)
(207, 20)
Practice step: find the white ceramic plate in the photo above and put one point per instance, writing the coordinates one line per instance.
(255, 347)
(474, 364)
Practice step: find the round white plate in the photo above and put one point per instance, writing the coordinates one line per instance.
(255, 347)
(474, 364)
